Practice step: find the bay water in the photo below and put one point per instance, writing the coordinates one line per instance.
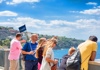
(60, 53)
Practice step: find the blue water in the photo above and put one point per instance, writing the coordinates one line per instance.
(61, 53)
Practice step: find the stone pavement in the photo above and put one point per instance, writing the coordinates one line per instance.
(1, 68)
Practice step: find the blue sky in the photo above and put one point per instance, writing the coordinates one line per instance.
(71, 18)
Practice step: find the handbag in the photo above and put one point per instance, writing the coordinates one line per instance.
(54, 67)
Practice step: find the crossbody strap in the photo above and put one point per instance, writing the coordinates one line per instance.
(30, 46)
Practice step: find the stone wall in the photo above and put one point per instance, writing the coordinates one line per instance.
(2, 58)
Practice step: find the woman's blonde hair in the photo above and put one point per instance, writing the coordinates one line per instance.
(71, 51)
(49, 44)
(40, 44)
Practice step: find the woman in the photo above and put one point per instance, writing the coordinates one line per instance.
(39, 51)
(48, 56)
(64, 59)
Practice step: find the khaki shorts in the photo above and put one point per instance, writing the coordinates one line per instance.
(14, 65)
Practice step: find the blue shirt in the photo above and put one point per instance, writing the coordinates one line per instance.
(27, 47)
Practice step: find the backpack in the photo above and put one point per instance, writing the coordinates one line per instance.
(74, 61)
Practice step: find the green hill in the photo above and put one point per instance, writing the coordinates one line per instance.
(6, 33)
(64, 42)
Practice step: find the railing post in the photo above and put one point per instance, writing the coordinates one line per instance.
(6, 61)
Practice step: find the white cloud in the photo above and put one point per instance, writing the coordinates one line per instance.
(61, 23)
(94, 11)
(98, 7)
(81, 27)
(91, 3)
(10, 3)
(91, 11)
(36, 23)
(21, 1)
(87, 23)
(1, 1)
(74, 11)
(8, 13)
(43, 27)
(30, 22)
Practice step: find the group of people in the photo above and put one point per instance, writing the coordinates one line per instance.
(39, 55)
(36, 55)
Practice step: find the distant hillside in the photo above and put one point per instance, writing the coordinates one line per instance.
(64, 42)
(6, 33)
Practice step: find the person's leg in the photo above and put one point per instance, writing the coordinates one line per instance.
(39, 65)
(35, 65)
(23, 64)
(13, 65)
(17, 64)
(28, 65)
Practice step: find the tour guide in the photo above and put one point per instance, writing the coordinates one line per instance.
(28, 50)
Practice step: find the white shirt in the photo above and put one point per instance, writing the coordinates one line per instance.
(45, 65)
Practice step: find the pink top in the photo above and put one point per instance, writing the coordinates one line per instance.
(15, 50)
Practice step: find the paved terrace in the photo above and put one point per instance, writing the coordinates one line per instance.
(1, 68)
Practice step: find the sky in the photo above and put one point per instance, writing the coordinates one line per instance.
(71, 18)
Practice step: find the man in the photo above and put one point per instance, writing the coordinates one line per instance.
(15, 50)
(88, 51)
(29, 49)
